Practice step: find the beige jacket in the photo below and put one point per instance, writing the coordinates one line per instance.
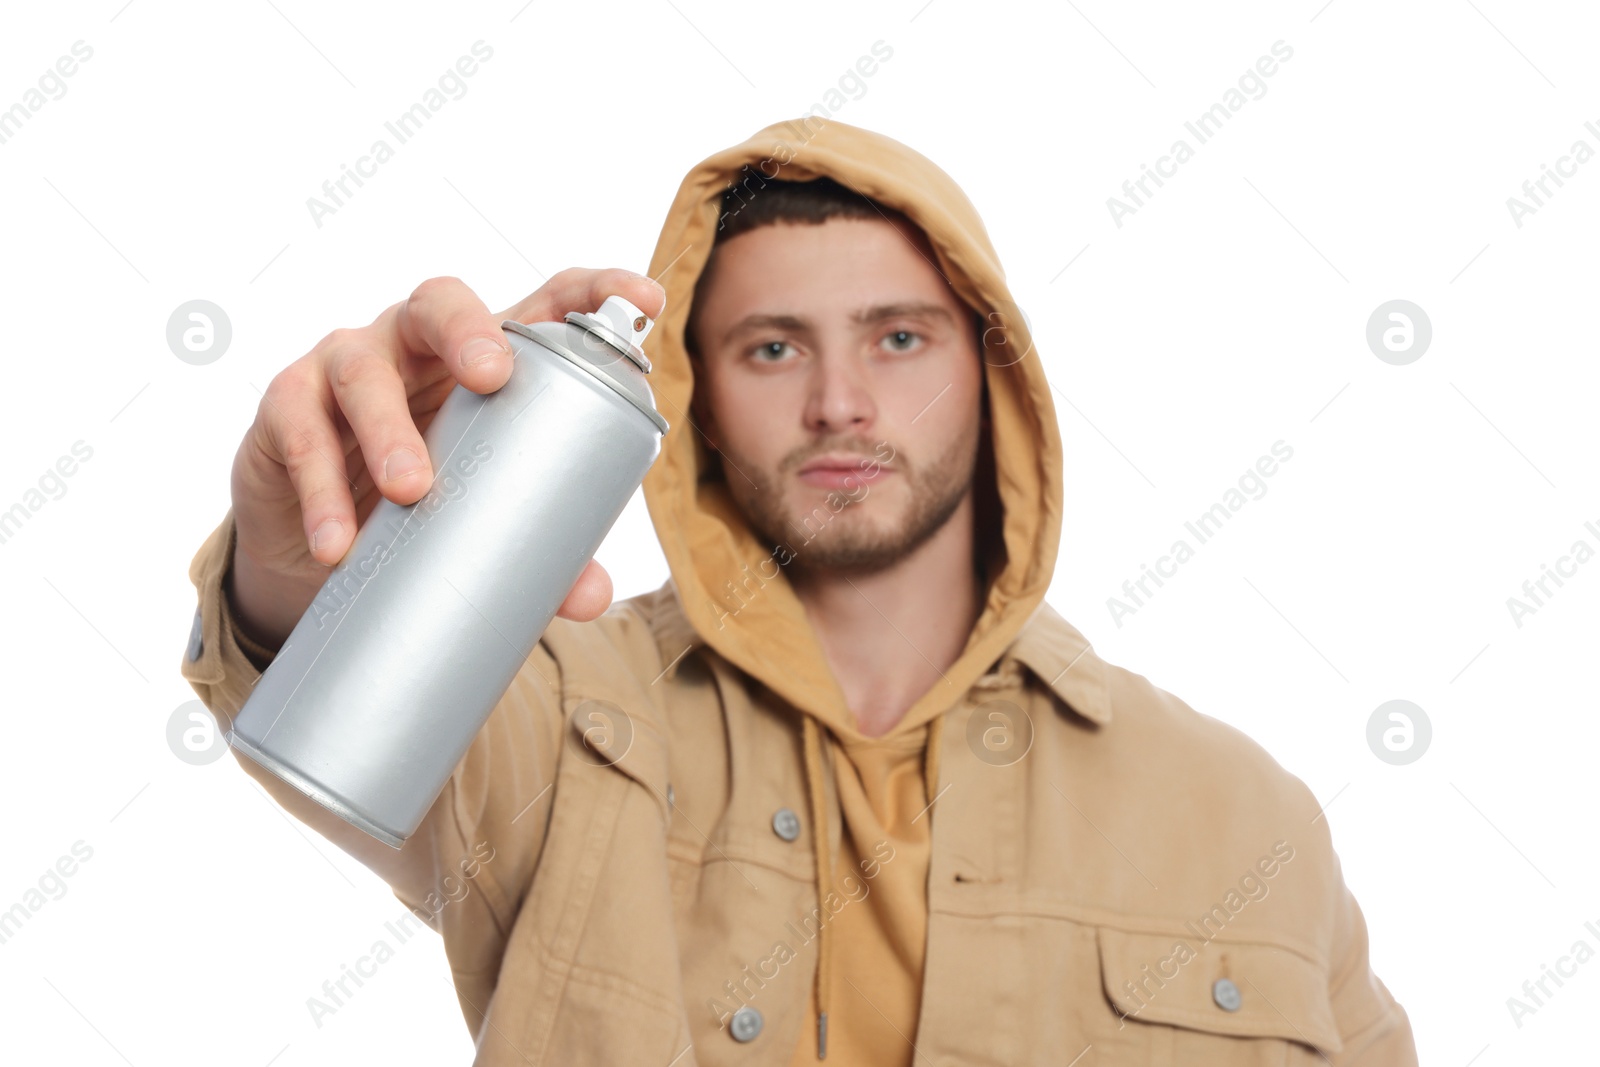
(624, 867)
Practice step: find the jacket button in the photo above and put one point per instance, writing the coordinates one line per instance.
(1226, 994)
(745, 1024)
(786, 824)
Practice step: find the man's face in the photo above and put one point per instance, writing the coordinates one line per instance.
(840, 379)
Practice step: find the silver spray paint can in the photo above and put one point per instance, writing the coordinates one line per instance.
(422, 626)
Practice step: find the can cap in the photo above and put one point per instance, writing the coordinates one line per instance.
(619, 324)
(605, 343)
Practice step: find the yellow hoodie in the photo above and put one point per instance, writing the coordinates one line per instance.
(1048, 855)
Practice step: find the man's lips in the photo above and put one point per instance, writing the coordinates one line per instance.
(828, 472)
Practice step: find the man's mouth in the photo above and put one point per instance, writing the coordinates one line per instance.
(841, 471)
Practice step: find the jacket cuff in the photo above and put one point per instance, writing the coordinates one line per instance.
(221, 663)
(259, 655)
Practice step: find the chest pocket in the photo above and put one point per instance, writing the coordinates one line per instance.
(1220, 1002)
(605, 735)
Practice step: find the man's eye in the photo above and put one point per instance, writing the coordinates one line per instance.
(771, 352)
(901, 340)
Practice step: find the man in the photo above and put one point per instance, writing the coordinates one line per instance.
(877, 803)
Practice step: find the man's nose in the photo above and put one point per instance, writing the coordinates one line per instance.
(840, 395)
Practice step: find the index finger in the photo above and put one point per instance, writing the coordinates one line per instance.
(445, 319)
(585, 289)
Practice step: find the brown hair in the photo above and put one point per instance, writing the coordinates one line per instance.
(760, 201)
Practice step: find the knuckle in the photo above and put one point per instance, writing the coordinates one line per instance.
(274, 389)
(570, 275)
(432, 288)
(299, 450)
(333, 341)
(288, 382)
(353, 368)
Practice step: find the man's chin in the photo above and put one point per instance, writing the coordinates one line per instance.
(858, 542)
(849, 555)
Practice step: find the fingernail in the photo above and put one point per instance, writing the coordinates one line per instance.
(326, 533)
(480, 349)
(401, 462)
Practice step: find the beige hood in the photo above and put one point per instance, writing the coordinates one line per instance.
(703, 535)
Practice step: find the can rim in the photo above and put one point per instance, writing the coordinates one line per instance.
(543, 339)
(311, 788)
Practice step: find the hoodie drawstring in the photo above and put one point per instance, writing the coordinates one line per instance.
(819, 834)
(816, 786)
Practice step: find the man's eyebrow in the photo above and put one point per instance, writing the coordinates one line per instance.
(763, 322)
(861, 317)
(867, 316)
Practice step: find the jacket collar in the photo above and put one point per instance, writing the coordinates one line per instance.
(1062, 658)
(1048, 645)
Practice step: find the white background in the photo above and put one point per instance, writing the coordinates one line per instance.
(1226, 314)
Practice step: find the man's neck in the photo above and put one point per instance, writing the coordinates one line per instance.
(890, 635)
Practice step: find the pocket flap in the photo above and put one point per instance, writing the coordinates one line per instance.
(603, 734)
(1236, 988)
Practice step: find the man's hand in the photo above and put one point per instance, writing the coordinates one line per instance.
(344, 423)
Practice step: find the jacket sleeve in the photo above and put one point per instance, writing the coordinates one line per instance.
(1373, 1026)
(466, 869)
